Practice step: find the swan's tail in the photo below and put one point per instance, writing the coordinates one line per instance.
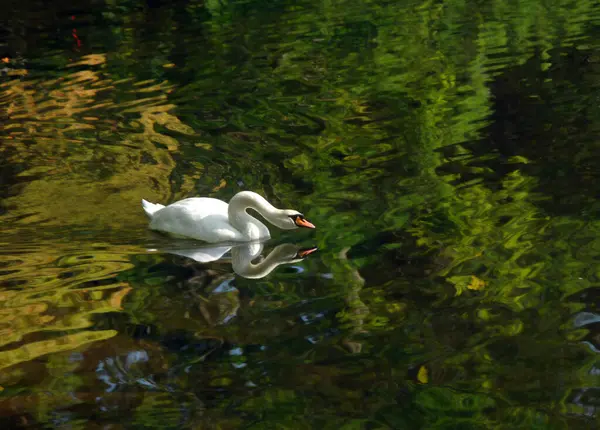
(151, 208)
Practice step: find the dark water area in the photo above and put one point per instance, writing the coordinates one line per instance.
(448, 153)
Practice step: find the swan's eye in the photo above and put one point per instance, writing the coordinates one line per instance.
(300, 221)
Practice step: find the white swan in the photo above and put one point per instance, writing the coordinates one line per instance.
(213, 220)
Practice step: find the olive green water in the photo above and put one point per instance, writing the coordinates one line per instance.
(448, 152)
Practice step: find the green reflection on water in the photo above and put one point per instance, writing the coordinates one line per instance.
(447, 153)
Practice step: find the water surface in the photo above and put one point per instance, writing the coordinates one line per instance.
(447, 152)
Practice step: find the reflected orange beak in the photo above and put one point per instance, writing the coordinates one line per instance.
(304, 223)
(306, 252)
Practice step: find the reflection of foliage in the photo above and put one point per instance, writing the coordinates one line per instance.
(449, 232)
(65, 166)
(33, 350)
(60, 298)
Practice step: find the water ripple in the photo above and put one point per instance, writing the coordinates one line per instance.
(53, 289)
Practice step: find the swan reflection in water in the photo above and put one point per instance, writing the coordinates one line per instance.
(243, 256)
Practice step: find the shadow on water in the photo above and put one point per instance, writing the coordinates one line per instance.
(447, 153)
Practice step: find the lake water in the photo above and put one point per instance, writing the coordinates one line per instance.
(448, 153)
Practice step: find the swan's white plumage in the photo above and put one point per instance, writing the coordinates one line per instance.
(150, 208)
(199, 218)
(215, 221)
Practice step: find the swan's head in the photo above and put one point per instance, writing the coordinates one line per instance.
(289, 219)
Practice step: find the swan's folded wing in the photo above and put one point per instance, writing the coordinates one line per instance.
(197, 218)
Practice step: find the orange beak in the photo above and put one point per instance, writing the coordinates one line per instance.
(301, 222)
(306, 252)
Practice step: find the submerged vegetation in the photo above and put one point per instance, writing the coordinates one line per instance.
(447, 151)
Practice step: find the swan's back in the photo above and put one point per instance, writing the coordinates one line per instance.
(201, 218)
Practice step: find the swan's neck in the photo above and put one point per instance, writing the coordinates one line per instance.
(249, 226)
